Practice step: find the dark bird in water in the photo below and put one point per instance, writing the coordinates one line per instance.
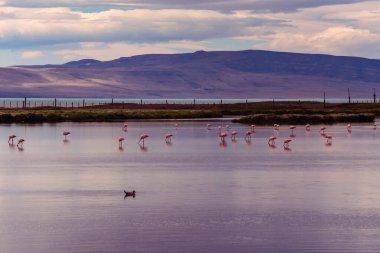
(130, 194)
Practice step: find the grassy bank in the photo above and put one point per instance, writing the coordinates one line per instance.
(265, 113)
(100, 115)
(265, 119)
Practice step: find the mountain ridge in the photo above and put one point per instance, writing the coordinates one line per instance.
(234, 74)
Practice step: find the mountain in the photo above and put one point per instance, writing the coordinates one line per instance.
(218, 74)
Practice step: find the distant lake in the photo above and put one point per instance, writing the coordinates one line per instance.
(80, 102)
(193, 195)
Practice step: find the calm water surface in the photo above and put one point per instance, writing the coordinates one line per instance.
(194, 195)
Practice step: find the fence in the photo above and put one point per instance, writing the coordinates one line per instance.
(7, 103)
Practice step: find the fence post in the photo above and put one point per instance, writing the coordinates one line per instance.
(374, 95)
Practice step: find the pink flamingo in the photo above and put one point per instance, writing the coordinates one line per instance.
(176, 126)
(220, 128)
(209, 126)
(253, 128)
(233, 135)
(66, 133)
(125, 127)
(322, 130)
(328, 139)
(143, 137)
(20, 143)
(121, 139)
(248, 135)
(307, 126)
(292, 128)
(349, 127)
(222, 136)
(11, 137)
(286, 143)
(271, 140)
(168, 137)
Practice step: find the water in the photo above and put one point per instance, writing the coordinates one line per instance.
(81, 102)
(194, 195)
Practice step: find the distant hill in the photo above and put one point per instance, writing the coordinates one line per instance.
(231, 74)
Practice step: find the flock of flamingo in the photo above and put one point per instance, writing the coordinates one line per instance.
(272, 139)
(222, 135)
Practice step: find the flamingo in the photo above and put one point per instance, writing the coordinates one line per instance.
(220, 128)
(20, 143)
(286, 143)
(322, 130)
(292, 128)
(121, 139)
(248, 135)
(222, 136)
(66, 133)
(168, 137)
(143, 137)
(11, 137)
(349, 127)
(271, 140)
(253, 128)
(307, 126)
(209, 126)
(233, 135)
(328, 139)
(125, 127)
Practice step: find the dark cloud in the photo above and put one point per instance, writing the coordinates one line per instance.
(218, 5)
(251, 5)
(136, 26)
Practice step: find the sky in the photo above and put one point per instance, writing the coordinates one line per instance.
(58, 31)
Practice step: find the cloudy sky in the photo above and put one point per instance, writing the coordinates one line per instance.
(57, 31)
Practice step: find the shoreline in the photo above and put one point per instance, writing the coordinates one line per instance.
(260, 113)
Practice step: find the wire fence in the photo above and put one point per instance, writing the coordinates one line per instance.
(8, 103)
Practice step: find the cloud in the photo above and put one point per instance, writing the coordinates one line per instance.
(341, 30)
(51, 26)
(217, 5)
(334, 40)
(31, 54)
(65, 30)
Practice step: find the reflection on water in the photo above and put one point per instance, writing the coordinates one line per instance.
(195, 194)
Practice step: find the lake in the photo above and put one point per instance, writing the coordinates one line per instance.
(193, 195)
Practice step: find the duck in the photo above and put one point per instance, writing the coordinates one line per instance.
(130, 194)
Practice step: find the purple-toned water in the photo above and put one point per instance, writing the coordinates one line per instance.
(194, 195)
